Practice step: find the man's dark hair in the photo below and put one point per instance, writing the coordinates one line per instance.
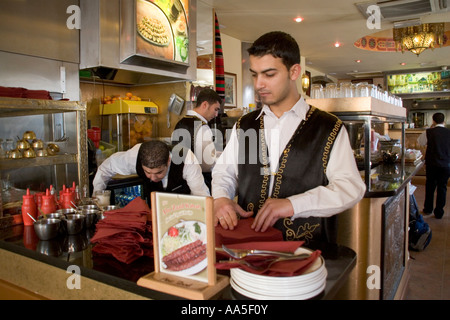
(208, 95)
(154, 154)
(280, 45)
(438, 117)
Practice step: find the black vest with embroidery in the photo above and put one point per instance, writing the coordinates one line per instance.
(190, 123)
(175, 181)
(302, 166)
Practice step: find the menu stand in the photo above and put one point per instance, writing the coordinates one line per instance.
(194, 276)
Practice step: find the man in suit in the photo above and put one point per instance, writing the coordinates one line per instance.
(437, 162)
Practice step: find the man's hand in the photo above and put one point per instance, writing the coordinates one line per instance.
(226, 213)
(271, 211)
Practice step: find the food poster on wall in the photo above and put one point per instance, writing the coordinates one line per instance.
(182, 235)
(162, 29)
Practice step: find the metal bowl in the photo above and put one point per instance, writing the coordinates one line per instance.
(29, 135)
(109, 208)
(15, 154)
(88, 207)
(47, 229)
(74, 223)
(37, 144)
(41, 153)
(29, 153)
(66, 211)
(54, 215)
(23, 145)
(91, 216)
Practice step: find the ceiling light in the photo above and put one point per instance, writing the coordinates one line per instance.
(403, 64)
(358, 61)
(337, 44)
(419, 38)
(298, 19)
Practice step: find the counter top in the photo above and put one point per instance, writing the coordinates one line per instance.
(20, 242)
(388, 179)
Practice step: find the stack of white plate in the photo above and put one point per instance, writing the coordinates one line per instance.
(260, 287)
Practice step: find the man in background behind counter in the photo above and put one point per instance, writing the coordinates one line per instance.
(193, 131)
(160, 170)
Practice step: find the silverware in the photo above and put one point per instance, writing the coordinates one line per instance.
(268, 263)
(241, 253)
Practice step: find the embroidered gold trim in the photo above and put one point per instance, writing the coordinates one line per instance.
(250, 206)
(304, 232)
(330, 141)
(282, 166)
(265, 163)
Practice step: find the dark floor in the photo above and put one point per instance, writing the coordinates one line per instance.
(430, 269)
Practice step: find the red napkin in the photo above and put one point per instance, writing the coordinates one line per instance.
(124, 233)
(244, 233)
(278, 269)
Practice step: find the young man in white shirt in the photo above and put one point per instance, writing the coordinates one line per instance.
(159, 169)
(193, 131)
(302, 170)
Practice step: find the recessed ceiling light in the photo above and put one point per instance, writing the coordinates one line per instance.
(403, 64)
(358, 61)
(298, 19)
(337, 44)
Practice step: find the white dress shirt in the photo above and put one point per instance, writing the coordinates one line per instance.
(345, 188)
(204, 149)
(124, 163)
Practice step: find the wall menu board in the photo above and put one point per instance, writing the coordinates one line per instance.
(418, 82)
(156, 30)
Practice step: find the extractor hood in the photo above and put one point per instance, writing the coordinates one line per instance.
(101, 55)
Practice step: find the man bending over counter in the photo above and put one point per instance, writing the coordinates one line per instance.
(160, 170)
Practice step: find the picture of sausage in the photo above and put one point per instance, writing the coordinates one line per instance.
(186, 256)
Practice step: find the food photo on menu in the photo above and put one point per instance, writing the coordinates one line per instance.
(182, 236)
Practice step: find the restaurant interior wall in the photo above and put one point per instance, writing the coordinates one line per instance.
(38, 51)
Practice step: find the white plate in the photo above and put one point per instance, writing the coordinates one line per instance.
(282, 289)
(258, 296)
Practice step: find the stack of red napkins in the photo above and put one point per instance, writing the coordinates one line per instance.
(244, 237)
(125, 233)
(14, 92)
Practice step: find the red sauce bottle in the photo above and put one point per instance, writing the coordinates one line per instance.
(28, 206)
(48, 203)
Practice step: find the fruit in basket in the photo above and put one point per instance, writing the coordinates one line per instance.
(114, 98)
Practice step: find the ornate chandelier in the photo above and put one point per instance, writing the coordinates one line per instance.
(419, 38)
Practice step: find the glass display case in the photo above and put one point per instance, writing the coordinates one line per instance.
(380, 159)
(60, 124)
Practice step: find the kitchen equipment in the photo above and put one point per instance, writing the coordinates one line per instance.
(66, 211)
(15, 154)
(74, 223)
(103, 197)
(129, 122)
(37, 144)
(41, 153)
(23, 145)
(91, 216)
(175, 105)
(47, 229)
(109, 208)
(29, 153)
(29, 135)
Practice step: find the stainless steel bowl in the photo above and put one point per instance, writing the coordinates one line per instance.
(74, 223)
(54, 215)
(91, 216)
(66, 211)
(47, 229)
(88, 207)
(109, 208)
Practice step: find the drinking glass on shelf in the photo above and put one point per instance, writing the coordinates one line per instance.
(317, 91)
(330, 90)
(103, 197)
(346, 90)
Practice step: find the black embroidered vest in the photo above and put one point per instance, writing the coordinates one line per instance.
(175, 181)
(190, 123)
(302, 166)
